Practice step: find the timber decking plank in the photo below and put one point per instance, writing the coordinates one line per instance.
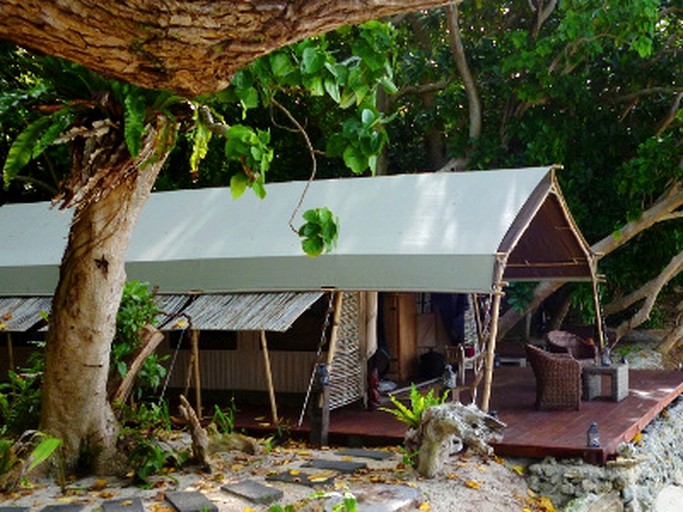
(530, 433)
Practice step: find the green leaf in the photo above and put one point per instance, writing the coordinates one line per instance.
(43, 451)
(332, 88)
(238, 184)
(200, 144)
(21, 150)
(312, 61)
(313, 247)
(280, 64)
(354, 160)
(60, 121)
(134, 120)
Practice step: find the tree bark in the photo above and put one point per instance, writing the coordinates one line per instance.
(83, 322)
(186, 46)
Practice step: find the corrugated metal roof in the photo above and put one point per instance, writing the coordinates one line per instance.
(19, 314)
(245, 311)
(171, 307)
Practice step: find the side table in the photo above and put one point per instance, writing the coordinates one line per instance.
(592, 381)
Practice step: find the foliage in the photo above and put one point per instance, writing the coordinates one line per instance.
(38, 447)
(344, 502)
(419, 403)
(137, 309)
(320, 232)
(147, 416)
(150, 457)
(225, 419)
(20, 396)
(519, 295)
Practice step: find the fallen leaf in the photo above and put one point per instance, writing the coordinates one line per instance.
(518, 469)
(99, 484)
(638, 437)
(107, 495)
(472, 484)
(452, 476)
(425, 506)
(294, 472)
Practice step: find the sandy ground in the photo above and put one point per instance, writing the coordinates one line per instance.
(468, 483)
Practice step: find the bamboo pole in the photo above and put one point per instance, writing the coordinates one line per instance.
(194, 334)
(598, 313)
(269, 377)
(491, 349)
(338, 298)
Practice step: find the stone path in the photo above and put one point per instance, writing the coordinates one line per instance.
(311, 473)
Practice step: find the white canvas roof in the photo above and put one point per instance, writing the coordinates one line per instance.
(443, 232)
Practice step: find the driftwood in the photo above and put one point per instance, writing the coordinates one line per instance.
(200, 439)
(151, 338)
(441, 425)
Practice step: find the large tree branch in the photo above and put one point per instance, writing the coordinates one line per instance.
(649, 291)
(458, 51)
(671, 116)
(186, 46)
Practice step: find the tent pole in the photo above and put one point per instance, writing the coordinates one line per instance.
(195, 370)
(491, 348)
(598, 312)
(269, 377)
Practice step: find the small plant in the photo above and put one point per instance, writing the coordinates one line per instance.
(150, 458)
(225, 419)
(418, 404)
(147, 415)
(11, 454)
(20, 395)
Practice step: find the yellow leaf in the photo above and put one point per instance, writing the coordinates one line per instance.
(294, 472)
(99, 484)
(248, 509)
(425, 506)
(259, 418)
(472, 484)
(346, 458)
(518, 469)
(452, 476)
(638, 438)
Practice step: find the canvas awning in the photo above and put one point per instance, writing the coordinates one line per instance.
(440, 232)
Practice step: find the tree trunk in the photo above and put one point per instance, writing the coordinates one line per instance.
(189, 47)
(83, 322)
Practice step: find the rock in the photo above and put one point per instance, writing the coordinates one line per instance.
(381, 498)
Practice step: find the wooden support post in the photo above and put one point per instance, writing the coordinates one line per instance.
(269, 378)
(194, 334)
(10, 351)
(491, 349)
(338, 298)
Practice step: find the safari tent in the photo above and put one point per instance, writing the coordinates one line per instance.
(465, 232)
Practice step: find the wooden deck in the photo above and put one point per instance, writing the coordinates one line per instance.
(529, 433)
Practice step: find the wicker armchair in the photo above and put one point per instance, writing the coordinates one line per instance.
(564, 342)
(558, 379)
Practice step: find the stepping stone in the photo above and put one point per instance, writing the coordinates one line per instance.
(71, 507)
(365, 454)
(14, 509)
(192, 501)
(302, 478)
(123, 505)
(382, 498)
(343, 466)
(254, 491)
